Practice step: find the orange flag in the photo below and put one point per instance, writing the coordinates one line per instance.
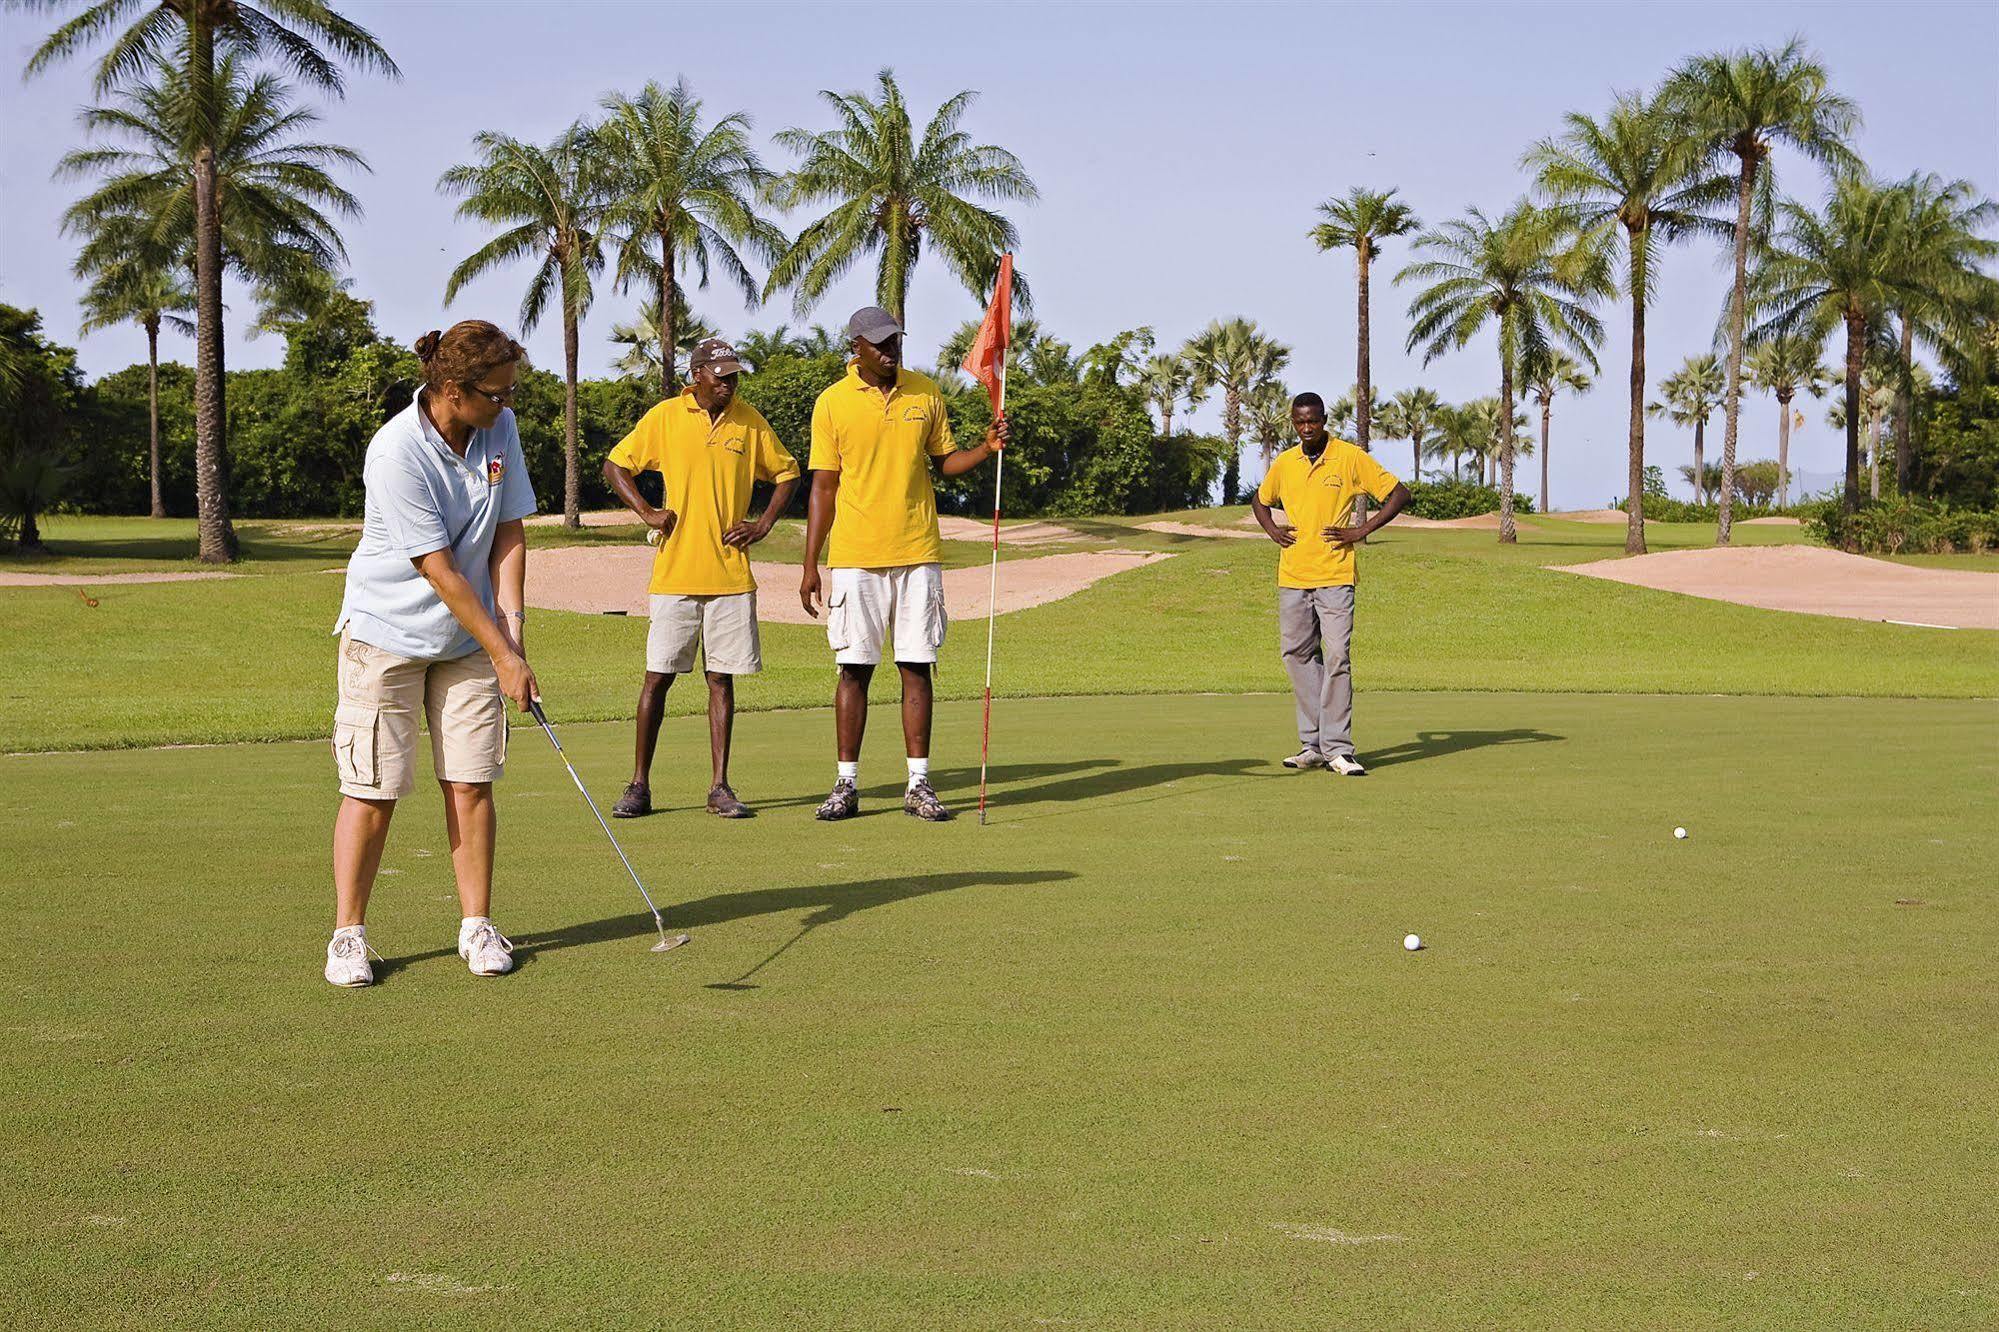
(986, 360)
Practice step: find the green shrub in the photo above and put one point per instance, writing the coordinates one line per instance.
(1443, 500)
(1903, 525)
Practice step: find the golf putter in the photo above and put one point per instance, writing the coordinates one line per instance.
(665, 941)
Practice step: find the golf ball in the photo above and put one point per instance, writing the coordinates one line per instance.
(652, 536)
(1411, 942)
(1680, 834)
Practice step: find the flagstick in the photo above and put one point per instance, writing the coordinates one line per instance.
(992, 599)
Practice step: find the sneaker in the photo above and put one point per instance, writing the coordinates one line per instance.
(347, 960)
(1306, 758)
(843, 803)
(922, 802)
(635, 802)
(723, 803)
(486, 950)
(1345, 765)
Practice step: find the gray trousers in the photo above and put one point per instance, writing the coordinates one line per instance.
(1315, 632)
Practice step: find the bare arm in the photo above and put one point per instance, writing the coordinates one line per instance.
(509, 568)
(746, 534)
(1282, 533)
(818, 522)
(441, 572)
(964, 460)
(1391, 506)
(621, 484)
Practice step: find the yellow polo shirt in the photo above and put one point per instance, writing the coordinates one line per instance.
(1315, 496)
(708, 468)
(881, 444)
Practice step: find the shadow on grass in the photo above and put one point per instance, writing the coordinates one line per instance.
(1436, 744)
(833, 902)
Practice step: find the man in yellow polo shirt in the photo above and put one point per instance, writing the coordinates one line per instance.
(709, 448)
(1317, 484)
(873, 436)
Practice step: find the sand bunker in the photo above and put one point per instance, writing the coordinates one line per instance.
(102, 580)
(1815, 581)
(591, 518)
(1484, 522)
(599, 579)
(1016, 534)
(1590, 516)
(1170, 528)
(1773, 522)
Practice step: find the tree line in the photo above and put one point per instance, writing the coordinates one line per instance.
(202, 160)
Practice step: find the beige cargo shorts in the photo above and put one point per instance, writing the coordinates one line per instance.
(375, 720)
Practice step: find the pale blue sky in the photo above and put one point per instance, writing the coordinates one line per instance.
(1180, 151)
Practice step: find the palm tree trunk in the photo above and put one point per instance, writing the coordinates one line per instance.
(1415, 455)
(1547, 409)
(1783, 450)
(1873, 454)
(1700, 462)
(1507, 534)
(572, 478)
(666, 330)
(1232, 427)
(1166, 419)
(1905, 453)
(1634, 502)
(1363, 384)
(153, 412)
(1731, 403)
(892, 283)
(1856, 344)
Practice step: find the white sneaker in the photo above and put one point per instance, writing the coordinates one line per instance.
(347, 959)
(485, 949)
(1306, 758)
(1345, 765)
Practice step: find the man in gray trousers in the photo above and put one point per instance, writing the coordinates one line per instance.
(1317, 484)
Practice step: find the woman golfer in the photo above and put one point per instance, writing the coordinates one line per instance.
(432, 623)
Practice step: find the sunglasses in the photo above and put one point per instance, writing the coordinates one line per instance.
(501, 398)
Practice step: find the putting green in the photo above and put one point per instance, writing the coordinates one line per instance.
(1144, 1052)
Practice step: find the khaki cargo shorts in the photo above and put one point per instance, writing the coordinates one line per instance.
(724, 627)
(866, 606)
(374, 723)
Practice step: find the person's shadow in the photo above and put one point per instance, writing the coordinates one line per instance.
(835, 902)
(1436, 744)
(946, 780)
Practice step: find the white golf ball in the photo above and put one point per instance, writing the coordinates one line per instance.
(1680, 834)
(1412, 942)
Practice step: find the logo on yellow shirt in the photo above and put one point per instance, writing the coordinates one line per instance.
(916, 412)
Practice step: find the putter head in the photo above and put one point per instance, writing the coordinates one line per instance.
(668, 942)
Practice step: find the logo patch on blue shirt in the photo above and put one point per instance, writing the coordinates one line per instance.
(496, 468)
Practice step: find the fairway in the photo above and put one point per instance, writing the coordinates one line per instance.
(1145, 1052)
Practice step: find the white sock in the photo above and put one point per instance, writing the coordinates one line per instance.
(850, 772)
(919, 770)
(360, 931)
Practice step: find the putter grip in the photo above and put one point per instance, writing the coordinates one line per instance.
(534, 706)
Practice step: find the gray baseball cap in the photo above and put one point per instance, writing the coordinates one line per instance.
(873, 323)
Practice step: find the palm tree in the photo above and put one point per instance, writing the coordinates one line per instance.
(756, 348)
(1940, 236)
(1690, 395)
(1267, 410)
(1741, 104)
(1461, 431)
(1348, 410)
(1484, 415)
(894, 197)
(1634, 170)
(1362, 220)
(298, 34)
(1234, 356)
(151, 294)
(1163, 381)
(547, 199)
(641, 361)
(1416, 411)
(678, 195)
(1523, 273)
(1110, 361)
(1781, 367)
(1546, 376)
(1847, 267)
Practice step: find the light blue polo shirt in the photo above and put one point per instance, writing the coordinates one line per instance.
(422, 497)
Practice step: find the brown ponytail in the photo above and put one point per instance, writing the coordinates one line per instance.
(465, 353)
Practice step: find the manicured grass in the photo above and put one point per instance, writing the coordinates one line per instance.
(251, 658)
(1143, 1053)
